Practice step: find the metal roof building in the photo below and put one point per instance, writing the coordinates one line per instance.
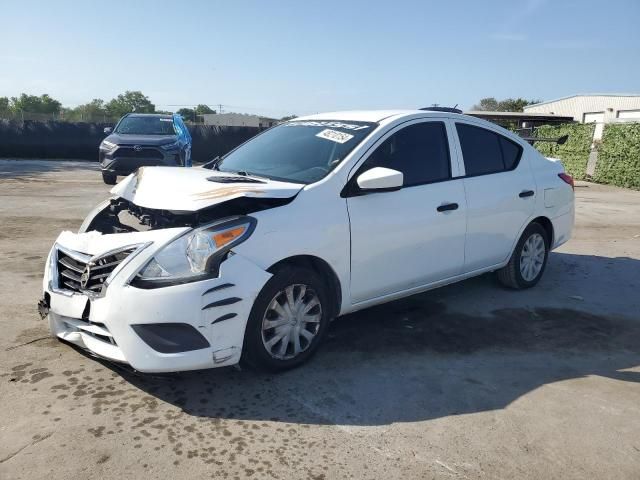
(595, 107)
(520, 119)
(598, 108)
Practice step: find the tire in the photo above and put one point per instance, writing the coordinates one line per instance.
(109, 178)
(256, 352)
(516, 274)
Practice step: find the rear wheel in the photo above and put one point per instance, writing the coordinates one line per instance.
(529, 259)
(288, 320)
(109, 178)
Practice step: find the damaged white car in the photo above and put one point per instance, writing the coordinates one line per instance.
(250, 257)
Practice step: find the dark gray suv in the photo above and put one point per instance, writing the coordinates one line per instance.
(144, 139)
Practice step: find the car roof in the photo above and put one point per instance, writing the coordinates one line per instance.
(159, 115)
(373, 115)
(383, 117)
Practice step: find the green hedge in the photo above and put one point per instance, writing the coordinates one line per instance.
(619, 156)
(575, 152)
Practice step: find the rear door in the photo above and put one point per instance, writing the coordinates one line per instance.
(500, 192)
(412, 236)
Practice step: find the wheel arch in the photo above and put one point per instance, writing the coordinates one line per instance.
(322, 268)
(545, 222)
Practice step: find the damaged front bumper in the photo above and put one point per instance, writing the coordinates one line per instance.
(180, 327)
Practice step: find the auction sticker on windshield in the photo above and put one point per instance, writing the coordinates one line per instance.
(334, 135)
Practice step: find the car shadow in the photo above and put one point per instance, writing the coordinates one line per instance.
(416, 359)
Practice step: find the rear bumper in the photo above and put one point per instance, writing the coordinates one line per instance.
(108, 324)
(562, 228)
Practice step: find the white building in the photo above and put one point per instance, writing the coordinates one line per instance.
(598, 108)
(238, 120)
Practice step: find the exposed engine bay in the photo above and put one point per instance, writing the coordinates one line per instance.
(122, 216)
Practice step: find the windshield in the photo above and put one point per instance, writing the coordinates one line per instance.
(300, 152)
(145, 126)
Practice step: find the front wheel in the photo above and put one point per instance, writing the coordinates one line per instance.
(528, 261)
(288, 320)
(109, 178)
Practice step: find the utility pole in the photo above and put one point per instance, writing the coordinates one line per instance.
(219, 108)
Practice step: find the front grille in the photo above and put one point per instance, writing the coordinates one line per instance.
(129, 152)
(81, 272)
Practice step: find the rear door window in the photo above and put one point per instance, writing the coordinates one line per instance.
(485, 152)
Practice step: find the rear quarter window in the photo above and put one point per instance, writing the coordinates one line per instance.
(511, 153)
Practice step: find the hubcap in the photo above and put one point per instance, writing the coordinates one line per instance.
(532, 257)
(291, 321)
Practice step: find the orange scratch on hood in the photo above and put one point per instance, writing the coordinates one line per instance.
(226, 191)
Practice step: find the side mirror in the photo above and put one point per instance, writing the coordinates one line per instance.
(380, 179)
(108, 130)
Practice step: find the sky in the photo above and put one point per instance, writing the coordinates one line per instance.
(298, 57)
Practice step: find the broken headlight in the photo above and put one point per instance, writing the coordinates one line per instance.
(195, 255)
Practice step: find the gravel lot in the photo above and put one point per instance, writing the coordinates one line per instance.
(469, 381)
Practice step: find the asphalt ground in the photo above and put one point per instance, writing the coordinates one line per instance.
(467, 381)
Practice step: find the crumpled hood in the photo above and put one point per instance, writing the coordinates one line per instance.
(188, 190)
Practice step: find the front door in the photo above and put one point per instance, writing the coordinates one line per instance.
(413, 236)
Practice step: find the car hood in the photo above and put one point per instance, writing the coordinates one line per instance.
(189, 189)
(119, 139)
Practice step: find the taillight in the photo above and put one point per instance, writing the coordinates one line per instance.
(567, 179)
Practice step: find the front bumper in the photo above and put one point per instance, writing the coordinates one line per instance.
(103, 323)
(124, 160)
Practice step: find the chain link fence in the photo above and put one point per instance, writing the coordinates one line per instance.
(30, 138)
(88, 117)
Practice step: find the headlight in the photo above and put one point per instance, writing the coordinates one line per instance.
(107, 145)
(195, 255)
(170, 146)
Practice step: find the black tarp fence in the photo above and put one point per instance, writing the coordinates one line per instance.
(67, 140)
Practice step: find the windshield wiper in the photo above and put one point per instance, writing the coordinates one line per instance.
(213, 163)
(245, 173)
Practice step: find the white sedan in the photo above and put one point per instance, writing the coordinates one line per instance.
(250, 257)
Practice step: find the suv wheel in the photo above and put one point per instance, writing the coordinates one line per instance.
(109, 178)
(288, 320)
(527, 263)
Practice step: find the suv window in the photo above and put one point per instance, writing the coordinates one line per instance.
(420, 152)
(150, 125)
(485, 151)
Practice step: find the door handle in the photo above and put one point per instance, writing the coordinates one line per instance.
(526, 193)
(447, 206)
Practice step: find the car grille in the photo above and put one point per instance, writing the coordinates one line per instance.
(129, 152)
(80, 272)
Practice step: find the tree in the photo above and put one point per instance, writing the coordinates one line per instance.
(34, 104)
(288, 117)
(487, 104)
(4, 105)
(187, 113)
(192, 113)
(89, 111)
(130, 101)
(506, 105)
(204, 109)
